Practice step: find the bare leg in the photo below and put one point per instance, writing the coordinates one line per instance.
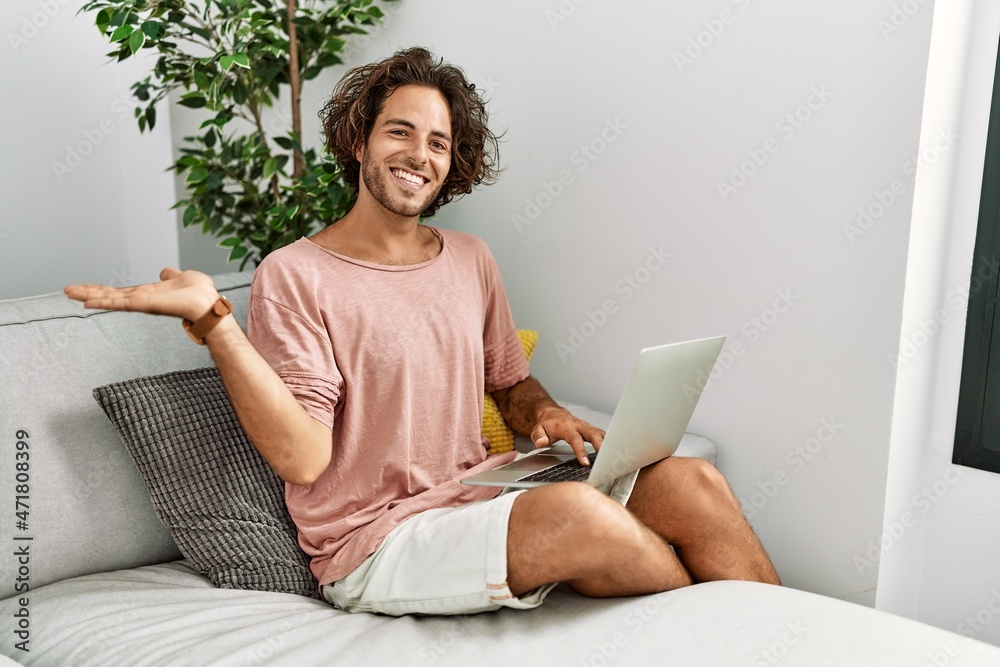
(571, 532)
(689, 504)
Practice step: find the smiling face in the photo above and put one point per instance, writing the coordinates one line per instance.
(408, 154)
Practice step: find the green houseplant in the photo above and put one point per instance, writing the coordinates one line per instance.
(256, 190)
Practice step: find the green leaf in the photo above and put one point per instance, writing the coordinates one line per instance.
(284, 142)
(238, 252)
(118, 19)
(190, 213)
(241, 60)
(121, 32)
(231, 242)
(136, 40)
(201, 79)
(103, 19)
(151, 29)
(239, 92)
(197, 175)
(192, 100)
(270, 167)
(213, 181)
(151, 116)
(227, 62)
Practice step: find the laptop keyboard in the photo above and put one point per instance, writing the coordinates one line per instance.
(567, 471)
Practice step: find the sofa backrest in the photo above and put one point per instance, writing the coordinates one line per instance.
(76, 501)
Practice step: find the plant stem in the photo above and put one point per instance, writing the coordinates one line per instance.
(262, 137)
(296, 85)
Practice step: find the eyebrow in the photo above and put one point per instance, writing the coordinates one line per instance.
(408, 124)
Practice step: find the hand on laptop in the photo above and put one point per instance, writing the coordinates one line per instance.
(557, 424)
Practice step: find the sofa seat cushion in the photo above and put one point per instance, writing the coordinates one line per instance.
(169, 615)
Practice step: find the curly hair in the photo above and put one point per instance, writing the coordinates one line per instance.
(349, 116)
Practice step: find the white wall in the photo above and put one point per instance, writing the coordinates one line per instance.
(607, 76)
(84, 196)
(943, 568)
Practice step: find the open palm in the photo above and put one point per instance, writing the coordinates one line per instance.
(187, 294)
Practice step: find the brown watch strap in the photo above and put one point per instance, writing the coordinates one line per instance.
(198, 330)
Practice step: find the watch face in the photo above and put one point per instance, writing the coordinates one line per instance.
(222, 307)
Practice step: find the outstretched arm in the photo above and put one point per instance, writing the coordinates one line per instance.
(294, 444)
(528, 409)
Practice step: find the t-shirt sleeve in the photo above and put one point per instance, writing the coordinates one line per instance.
(504, 360)
(298, 349)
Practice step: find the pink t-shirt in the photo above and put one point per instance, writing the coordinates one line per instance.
(395, 360)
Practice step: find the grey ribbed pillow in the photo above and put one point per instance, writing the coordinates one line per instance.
(215, 494)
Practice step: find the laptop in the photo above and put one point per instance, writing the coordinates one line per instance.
(648, 424)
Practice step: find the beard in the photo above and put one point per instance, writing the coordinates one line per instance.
(376, 182)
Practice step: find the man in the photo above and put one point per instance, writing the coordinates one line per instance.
(372, 343)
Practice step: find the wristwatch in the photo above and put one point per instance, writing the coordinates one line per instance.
(198, 330)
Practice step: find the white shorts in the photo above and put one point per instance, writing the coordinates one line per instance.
(445, 561)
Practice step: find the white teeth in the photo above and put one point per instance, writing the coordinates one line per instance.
(408, 177)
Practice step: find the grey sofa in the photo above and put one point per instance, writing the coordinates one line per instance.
(91, 576)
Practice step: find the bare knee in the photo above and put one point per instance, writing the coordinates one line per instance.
(565, 512)
(682, 489)
(562, 531)
(706, 483)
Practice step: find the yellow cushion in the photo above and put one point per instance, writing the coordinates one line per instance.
(495, 429)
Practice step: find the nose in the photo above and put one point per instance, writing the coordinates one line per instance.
(417, 152)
